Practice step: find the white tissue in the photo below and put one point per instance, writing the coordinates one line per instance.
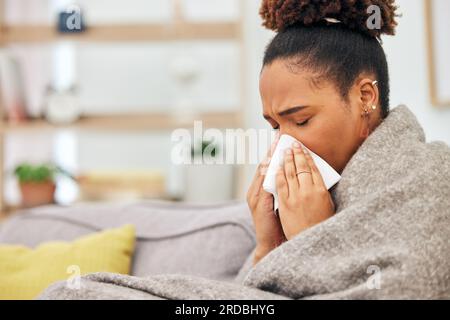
(329, 175)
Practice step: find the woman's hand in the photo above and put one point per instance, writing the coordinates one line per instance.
(304, 200)
(269, 233)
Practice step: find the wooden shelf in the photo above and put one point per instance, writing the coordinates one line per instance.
(151, 32)
(179, 29)
(130, 122)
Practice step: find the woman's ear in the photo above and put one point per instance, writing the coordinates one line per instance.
(369, 92)
(368, 95)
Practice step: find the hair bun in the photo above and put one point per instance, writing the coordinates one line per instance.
(278, 15)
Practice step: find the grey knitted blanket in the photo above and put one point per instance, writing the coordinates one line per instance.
(390, 237)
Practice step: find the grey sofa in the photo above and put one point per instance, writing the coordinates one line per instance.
(211, 241)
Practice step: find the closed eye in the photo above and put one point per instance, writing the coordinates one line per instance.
(302, 124)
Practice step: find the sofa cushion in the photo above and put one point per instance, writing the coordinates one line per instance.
(211, 241)
(24, 272)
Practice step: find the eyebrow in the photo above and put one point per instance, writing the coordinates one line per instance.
(288, 111)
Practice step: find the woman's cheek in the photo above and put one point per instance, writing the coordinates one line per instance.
(325, 143)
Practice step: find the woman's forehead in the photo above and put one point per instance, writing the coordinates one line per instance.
(279, 85)
(276, 79)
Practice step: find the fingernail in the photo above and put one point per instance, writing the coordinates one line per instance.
(297, 145)
(288, 152)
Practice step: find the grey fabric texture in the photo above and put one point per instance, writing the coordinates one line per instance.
(390, 237)
(211, 241)
(159, 287)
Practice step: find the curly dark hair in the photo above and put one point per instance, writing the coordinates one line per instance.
(341, 49)
(281, 14)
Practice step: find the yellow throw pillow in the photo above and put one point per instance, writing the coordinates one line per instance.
(25, 272)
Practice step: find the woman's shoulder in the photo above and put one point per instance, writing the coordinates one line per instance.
(436, 159)
(427, 165)
(408, 144)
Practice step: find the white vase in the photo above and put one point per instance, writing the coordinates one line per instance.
(209, 183)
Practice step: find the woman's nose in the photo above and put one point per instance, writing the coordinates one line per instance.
(284, 130)
(290, 132)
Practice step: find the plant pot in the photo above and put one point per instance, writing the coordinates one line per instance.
(37, 193)
(209, 183)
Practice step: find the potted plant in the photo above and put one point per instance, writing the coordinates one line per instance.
(37, 183)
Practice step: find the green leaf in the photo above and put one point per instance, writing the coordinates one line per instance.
(38, 173)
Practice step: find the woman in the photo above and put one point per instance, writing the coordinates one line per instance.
(383, 231)
(325, 82)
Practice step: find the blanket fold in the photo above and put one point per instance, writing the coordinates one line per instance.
(390, 237)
